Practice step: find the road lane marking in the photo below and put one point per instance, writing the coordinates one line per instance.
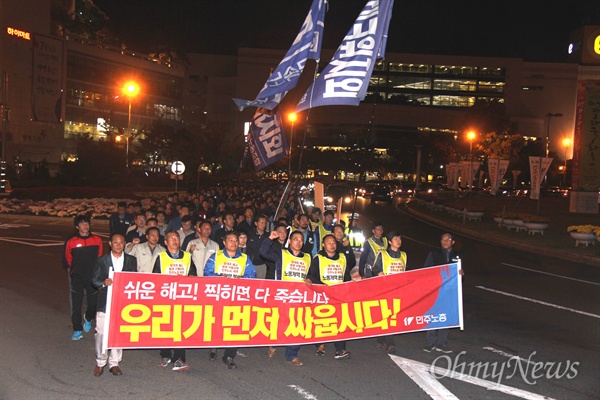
(419, 373)
(303, 392)
(508, 355)
(539, 302)
(548, 273)
(424, 370)
(28, 242)
(8, 226)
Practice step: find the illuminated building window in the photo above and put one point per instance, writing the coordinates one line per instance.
(409, 98)
(463, 85)
(453, 101)
(410, 82)
(167, 112)
(414, 68)
(491, 86)
(454, 70)
(532, 88)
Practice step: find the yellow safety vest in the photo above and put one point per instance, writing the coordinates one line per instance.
(332, 271)
(313, 224)
(393, 265)
(170, 266)
(230, 267)
(353, 238)
(377, 248)
(322, 233)
(294, 268)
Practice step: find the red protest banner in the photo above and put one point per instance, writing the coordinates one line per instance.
(163, 311)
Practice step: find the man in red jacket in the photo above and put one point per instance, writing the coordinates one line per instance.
(81, 251)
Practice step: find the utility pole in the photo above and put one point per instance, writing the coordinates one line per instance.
(4, 117)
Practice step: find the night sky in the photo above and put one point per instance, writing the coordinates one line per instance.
(533, 30)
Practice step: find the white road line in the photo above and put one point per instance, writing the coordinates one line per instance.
(303, 392)
(548, 273)
(539, 302)
(30, 239)
(425, 369)
(419, 373)
(32, 244)
(508, 355)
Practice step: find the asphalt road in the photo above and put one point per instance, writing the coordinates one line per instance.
(543, 311)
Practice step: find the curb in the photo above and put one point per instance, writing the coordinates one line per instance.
(497, 240)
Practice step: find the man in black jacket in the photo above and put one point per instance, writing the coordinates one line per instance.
(343, 246)
(121, 220)
(116, 261)
(438, 339)
(80, 253)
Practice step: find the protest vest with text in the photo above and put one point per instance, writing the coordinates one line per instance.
(230, 267)
(392, 265)
(170, 266)
(294, 268)
(332, 271)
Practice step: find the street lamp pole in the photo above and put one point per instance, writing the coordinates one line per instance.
(549, 116)
(471, 136)
(292, 118)
(127, 136)
(130, 90)
(566, 142)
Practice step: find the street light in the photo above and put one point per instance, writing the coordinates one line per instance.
(566, 142)
(292, 118)
(130, 90)
(549, 116)
(470, 137)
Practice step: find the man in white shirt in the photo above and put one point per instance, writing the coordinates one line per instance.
(202, 247)
(186, 228)
(146, 253)
(116, 261)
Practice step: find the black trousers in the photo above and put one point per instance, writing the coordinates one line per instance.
(230, 352)
(79, 285)
(173, 354)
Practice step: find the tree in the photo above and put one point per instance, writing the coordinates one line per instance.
(196, 146)
(498, 135)
(99, 163)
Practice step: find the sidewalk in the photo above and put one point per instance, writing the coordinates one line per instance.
(555, 241)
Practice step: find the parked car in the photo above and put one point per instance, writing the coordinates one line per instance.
(555, 191)
(382, 192)
(365, 190)
(430, 187)
(334, 192)
(407, 189)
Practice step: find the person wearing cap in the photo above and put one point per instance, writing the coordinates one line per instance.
(390, 261)
(80, 252)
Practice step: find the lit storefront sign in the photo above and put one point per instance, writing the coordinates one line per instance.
(18, 33)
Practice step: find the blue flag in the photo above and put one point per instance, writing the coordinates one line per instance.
(346, 79)
(267, 142)
(307, 45)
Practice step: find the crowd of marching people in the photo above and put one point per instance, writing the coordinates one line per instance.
(241, 226)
